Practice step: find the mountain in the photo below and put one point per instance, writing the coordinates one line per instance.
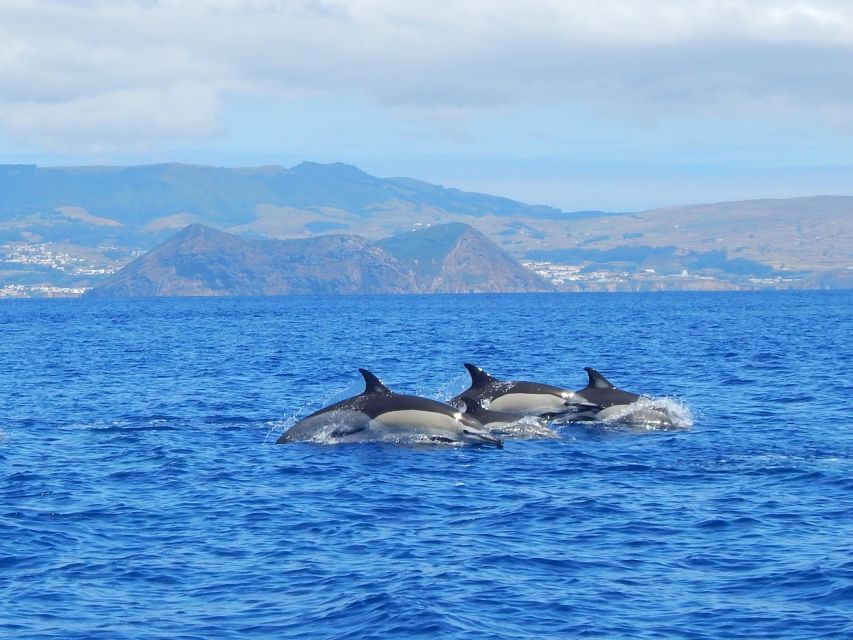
(226, 197)
(201, 261)
(65, 229)
(793, 234)
(455, 258)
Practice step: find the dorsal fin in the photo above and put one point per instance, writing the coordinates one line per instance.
(597, 380)
(372, 384)
(479, 378)
(470, 405)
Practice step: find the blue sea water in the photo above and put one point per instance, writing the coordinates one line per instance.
(142, 494)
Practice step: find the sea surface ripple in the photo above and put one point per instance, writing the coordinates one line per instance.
(142, 494)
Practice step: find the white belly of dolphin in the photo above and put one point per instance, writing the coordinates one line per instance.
(529, 404)
(417, 422)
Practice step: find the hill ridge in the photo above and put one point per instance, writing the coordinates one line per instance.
(71, 226)
(202, 261)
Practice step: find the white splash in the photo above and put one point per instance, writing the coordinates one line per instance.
(654, 414)
(525, 427)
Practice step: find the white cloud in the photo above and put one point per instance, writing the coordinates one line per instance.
(99, 73)
(125, 118)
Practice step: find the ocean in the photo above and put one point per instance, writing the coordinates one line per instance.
(142, 494)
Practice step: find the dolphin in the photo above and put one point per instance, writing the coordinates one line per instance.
(617, 404)
(487, 417)
(518, 396)
(378, 413)
(506, 424)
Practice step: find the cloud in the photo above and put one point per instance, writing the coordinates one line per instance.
(95, 73)
(125, 118)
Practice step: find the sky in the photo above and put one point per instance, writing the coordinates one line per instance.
(614, 105)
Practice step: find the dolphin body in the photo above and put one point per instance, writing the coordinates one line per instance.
(378, 413)
(487, 417)
(616, 404)
(517, 396)
(506, 424)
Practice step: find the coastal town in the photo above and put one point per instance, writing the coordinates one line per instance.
(48, 255)
(581, 277)
(45, 270)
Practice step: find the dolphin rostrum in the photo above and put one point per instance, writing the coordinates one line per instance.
(518, 396)
(378, 413)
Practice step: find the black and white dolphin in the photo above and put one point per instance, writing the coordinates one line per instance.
(488, 417)
(380, 414)
(506, 424)
(517, 396)
(617, 404)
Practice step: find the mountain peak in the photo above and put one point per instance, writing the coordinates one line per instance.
(455, 257)
(333, 170)
(198, 231)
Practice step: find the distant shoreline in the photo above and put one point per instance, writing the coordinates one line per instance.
(68, 230)
(791, 290)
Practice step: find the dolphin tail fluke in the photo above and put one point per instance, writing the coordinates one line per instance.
(597, 380)
(372, 384)
(479, 378)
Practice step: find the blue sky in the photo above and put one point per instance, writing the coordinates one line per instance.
(615, 105)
